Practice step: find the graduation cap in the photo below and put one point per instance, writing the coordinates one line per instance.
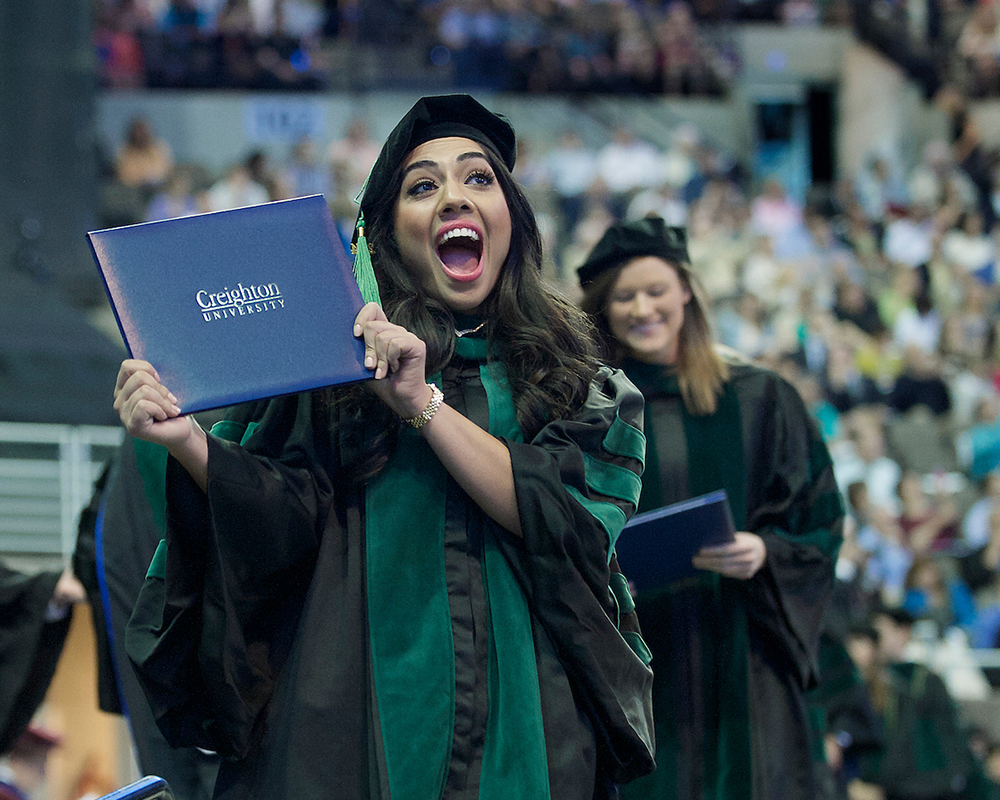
(650, 236)
(431, 117)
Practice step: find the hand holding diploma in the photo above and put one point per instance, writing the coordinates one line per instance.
(149, 411)
(739, 559)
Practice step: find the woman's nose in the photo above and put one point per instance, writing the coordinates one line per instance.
(641, 305)
(454, 197)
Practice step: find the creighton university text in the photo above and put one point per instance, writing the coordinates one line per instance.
(240, 301)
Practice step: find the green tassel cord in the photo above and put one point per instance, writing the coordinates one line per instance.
(364, 273)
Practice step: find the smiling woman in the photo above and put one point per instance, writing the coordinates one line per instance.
(401, 589)
(736, 645)
(452, 222)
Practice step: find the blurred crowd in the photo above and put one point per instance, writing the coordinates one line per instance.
(672, 47)
(663, 47)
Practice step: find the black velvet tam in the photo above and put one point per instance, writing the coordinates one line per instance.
(436, 117)
(645, 237)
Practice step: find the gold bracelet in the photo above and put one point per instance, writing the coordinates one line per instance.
(437, 397)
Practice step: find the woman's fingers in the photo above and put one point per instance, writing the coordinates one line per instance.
(388, 346)
(397, 359)
(147, 409)
(741, 558)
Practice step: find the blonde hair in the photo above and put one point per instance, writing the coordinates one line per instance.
(701, 369)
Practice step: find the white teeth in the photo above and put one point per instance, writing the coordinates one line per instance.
(467, 233)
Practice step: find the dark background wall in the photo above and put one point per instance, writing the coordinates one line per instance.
(48, 163)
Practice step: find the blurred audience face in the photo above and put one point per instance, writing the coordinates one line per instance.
(863, 652)
(893, 637)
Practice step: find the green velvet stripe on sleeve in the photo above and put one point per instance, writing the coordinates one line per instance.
(623, 439)
(612, 480)
(611, 517)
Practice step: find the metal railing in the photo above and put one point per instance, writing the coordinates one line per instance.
(47, 475)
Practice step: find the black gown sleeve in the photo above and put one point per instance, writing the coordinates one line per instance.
(216, 614)
(577, 483)
(794, 505)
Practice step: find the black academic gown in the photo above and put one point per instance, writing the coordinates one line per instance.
(119, 531)
(31, 642)
(256, 635)
(733, 658)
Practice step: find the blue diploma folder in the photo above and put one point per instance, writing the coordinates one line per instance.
(238, 305)
(655, 548)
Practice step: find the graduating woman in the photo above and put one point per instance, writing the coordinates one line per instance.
(735, 648)
(400, 589)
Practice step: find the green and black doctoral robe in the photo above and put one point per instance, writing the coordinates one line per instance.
(733, 658)
(390, 640)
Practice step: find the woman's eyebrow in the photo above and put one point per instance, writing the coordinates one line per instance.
(430, 164)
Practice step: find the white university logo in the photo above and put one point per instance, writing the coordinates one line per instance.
(239, 301)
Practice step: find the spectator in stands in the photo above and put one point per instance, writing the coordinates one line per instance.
(931, 595)
(305, 173)
(117, 31)
(662, 201)
(235, 190)
(909, 234)
(936, 178)
(234, 29)
(901, 293)
(918, 325)
(687, 60)
(921, 383)
(853, 304)
(879, 186)
(968, 149)
(881, 556)
(351, 157)
(977, 523)
(177, 199)
(761, 274)
(966, 330)
(980, 567)
(144, 160)
(264, 174)
(927, 524)
(625, 165)
(979, 44)
(862, 457)
(968, 246)
(572, 170)
(745, 327)
(774, 213)
(844, 384)
(680, 158)
(800, 13)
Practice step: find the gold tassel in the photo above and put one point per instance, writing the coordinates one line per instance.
(364, 273)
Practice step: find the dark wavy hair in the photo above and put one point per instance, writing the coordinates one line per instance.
(546, 343)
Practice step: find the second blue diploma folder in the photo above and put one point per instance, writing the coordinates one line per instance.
(655, 548)
(238, 305)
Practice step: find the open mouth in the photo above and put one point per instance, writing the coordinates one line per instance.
(461, 253)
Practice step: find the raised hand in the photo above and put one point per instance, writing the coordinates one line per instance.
(397, 359)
